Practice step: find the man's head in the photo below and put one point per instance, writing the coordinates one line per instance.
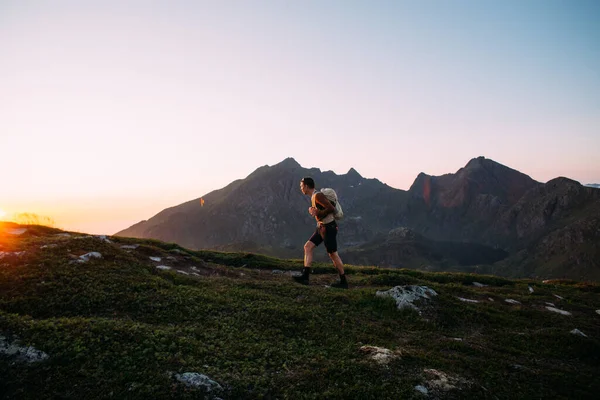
(307, 185)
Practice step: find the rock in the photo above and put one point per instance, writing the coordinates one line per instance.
(479, 284)
(197, 380)
(550, 304)
(157, 259)
(578, 332)
(63, 234)
(558, 297)
(598, 312)
(48, 246)
(422, 389)
(467, 300)
(530, 289)
(103, 238)
(556, 310)
(171, 258)
(380, 355)
(511, 301)
(11, 253)
(23, 354)
(490, 299)
(86, 257)
(16, 231)
(406, 295)
(130, 246)
(163, 267)
(277, 271)
(442, 381)
(182, 272)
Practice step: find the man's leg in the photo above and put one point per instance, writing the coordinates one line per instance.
(308, 257)
(337, 262)
(308, 253)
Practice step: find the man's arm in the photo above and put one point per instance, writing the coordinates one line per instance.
(322, 200)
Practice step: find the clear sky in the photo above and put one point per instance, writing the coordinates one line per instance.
(111, 111)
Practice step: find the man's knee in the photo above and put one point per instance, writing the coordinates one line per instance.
(309, 246)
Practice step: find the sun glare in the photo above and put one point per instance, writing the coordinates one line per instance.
(2, 213)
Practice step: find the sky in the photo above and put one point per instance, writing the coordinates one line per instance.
(111, 111)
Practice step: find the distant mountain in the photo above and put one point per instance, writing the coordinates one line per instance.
(462, 205)
(594, 185)
(266, 212)
(485, 215)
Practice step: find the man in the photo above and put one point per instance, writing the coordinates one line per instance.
(326, 232)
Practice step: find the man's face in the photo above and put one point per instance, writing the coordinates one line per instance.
(303, 187)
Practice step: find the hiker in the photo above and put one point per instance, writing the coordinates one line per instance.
(323, 211)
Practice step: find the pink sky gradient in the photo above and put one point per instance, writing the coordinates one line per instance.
(112, 111)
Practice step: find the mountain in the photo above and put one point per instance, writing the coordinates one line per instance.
(96, 317)
(266, 212)
(485, 217)
(594, 185)
(460, 206)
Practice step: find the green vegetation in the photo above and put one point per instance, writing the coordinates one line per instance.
(118, 327)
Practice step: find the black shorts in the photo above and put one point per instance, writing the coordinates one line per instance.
(329, 232)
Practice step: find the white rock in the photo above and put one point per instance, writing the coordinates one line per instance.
(130, 246)
(381, 355)
(198, 380)
(441, 380)
(103, 238)
(17, 231)
(48, 246)
(556, 310)
(406, 295)
(86, 257)
(171, 258)
(490, 299)
(550, 304)
(467, 300)
(598, 312)
(479, 284)
(195, 274)
(578, 332)
(530, 289)
(11, 253)
(511, 301)
(183, 272)
(63, 234)
(157, 259)
(25, 354)
(194, 269)
(422, 389)
(457, 339)
(558, 297)
(277, 271)
(163, 267)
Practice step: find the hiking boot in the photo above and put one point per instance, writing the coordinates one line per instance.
(302, 279)
(340, 285)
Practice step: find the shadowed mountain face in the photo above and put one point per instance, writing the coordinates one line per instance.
(482, 214)
(267, 212)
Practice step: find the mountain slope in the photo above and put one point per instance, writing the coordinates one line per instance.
(483, 210)
(119, 326)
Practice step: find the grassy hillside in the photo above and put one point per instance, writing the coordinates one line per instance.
(119, 327)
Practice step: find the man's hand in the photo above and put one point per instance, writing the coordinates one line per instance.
(312, 211)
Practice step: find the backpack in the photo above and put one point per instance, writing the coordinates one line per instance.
(332, 197)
